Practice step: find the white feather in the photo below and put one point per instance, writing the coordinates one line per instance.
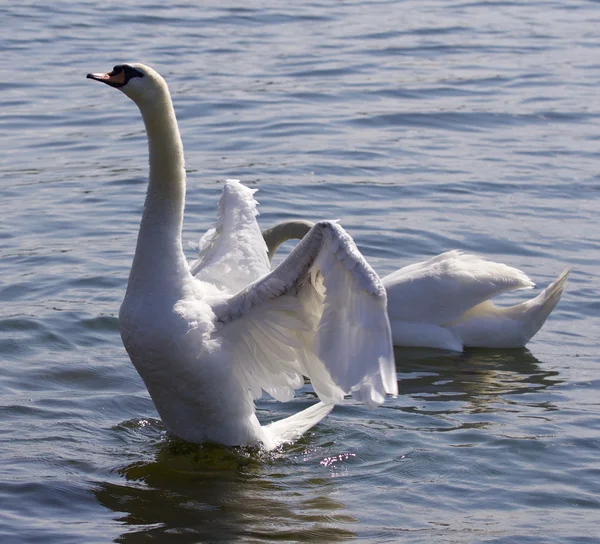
(231, 253)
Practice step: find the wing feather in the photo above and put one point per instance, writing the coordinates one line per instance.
(320, 313)
(233, 253)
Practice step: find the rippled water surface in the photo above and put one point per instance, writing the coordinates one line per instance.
(422, 126)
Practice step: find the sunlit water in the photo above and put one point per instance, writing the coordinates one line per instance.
(423, 126)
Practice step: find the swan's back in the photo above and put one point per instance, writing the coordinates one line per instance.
(441, 289)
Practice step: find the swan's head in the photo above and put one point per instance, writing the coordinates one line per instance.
(138, 82)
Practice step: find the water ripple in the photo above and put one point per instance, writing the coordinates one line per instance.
(422, 126)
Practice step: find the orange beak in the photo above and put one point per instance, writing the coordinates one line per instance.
(110, 78)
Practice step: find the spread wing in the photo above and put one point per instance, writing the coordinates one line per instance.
(233, 253)
(441, 289)
(321, 313)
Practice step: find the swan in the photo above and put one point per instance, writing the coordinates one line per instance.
(209, 338)
(444, 302)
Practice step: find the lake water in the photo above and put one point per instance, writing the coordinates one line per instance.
(421, 125)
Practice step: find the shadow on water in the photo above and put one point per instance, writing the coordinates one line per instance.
(208, 493)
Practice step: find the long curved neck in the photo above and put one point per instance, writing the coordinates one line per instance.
(288, 230)
(165, 198)
(159, 251)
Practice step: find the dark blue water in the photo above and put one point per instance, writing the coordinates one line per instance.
(422, 126)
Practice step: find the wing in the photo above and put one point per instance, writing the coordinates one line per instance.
(441, 289)
(233, 254)
(321, 313)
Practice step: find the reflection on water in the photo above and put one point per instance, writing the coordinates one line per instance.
(479, 375)
(211, 493)
(474, 389)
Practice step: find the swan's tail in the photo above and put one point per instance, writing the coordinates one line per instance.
(293, 427)
(534, 312)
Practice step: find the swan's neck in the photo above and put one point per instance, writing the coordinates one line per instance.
(288, 230)
(159, 252)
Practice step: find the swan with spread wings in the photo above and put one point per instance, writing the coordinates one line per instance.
(209, 338)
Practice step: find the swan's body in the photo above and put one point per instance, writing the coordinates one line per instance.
(444, 302)
(208, 339)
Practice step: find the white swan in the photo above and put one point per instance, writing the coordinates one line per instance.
(208, 339)
(444, 302)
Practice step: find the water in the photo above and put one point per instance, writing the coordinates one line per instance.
(423, 126)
